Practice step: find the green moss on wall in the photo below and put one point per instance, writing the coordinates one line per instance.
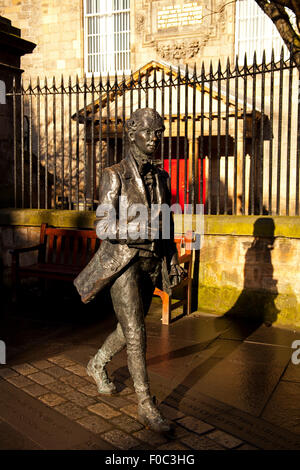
(213, 224)
(57, 218)
(261, 305)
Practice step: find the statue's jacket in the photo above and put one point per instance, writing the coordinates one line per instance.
(112, 257)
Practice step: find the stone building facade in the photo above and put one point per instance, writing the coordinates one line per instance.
(57, 28)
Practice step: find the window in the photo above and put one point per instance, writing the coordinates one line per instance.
(107, 36)
(255, 31)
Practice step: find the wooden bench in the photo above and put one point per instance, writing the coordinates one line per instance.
(184, 248)
(61, 254)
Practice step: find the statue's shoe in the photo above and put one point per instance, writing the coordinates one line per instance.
(152, 418)
(99, 374)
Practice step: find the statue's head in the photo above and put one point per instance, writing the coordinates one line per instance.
(144, 129)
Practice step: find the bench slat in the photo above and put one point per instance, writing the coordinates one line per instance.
(75, 251)
(50, 247)
(67, 250)
(58, 249)
(84, 251)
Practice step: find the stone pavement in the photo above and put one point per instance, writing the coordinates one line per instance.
(225, 384)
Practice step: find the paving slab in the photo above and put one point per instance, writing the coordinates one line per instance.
(283, 408)
(89, 390)
(41, 424)
(170, 413)
(24, 369)
(71, 410)
(200, 329)
(6, 372)
(11, 439)
(273, 335)
(59, 387)
(19, 381)
(52, 399)
(74, 381)
(239, 329)
(255, 431)
(224, 439)
(35, 390)
(61, 360)
(104, 410)
(42, 364)
(41, 378)
(120, 440)
(196, 442)
(131, 410)
(292, 373)
(220, 348)
(247, 377)
(57, 372)
(79, 398)
(95, 424)
(145, 435)
(195, 425)
(115, 401)
(126, 423)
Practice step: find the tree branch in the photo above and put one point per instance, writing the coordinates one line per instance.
(275, 10)
(293, 5)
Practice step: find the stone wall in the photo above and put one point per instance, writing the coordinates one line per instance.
(247, 265)
(253, 276)
(57, 29)
(17, 237)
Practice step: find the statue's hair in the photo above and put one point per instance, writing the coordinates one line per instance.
(137, 117)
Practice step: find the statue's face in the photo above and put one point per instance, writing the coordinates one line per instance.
(147, 136)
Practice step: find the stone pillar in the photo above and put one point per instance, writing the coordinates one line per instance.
(12, 47)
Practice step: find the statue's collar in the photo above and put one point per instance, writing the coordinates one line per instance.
(143, 165)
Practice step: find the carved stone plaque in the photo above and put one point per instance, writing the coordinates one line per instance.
(159, 19)
(177, 29)
(180, 14)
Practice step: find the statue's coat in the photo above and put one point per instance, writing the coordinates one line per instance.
(123, 179)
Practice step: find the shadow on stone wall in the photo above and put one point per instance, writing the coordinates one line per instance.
(257, 299)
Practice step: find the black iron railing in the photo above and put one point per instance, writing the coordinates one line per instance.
(231, 137)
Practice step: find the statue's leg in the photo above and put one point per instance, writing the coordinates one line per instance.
(131, 295)
(113, 344)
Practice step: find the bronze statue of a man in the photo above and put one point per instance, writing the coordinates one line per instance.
(131, 267)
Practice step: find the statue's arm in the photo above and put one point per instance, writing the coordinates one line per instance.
(107, 213)
(108, 202)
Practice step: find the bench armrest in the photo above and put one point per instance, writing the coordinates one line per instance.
(16, 251)
(185, 259)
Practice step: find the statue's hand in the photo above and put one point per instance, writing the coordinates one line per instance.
(177, 274)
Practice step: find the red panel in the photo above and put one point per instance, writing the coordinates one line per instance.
(182, 180)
